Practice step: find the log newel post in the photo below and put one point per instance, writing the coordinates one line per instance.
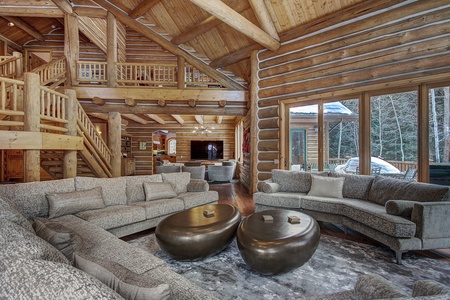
(114, 142)
(70, 156)
(19, 64)
(31, 107)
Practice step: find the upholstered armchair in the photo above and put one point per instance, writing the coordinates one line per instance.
(167, 169)
(196, 172)
(220, 173)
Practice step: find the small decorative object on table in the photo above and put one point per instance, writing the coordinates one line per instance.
(293, 219)
(267, 218)
(208, 213)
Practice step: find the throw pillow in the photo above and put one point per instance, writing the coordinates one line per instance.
(70, 203)
(126, 290)
(158, 190)
(372, 286)
(198, 185)
(270, 187)
(326, 186)
(402, 208)
(59, 236)
(424, 288)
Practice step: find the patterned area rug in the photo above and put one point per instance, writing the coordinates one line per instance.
(334, 267)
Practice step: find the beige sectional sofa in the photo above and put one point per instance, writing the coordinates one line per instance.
(402, 215)
(47, 227)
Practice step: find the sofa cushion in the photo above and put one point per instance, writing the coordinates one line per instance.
(38, 279)
(158, 190)
(9, 212)
(57, 235)
(18, 242)
(100, 243)
(294, 181)
(326, 186)
(402, 208)
(192, 199)
(197, 185)
(372, 286)
(374, 215)
(113, 216)
(384, 189)
(178, 180)
(162, 207)
(70, 203)
(103, 271)
(355, 186)
(324, 204)
(113, 189)
(135, 186)
(283, 200)
(30, 198)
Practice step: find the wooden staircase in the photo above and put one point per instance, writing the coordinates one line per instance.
(94, 160)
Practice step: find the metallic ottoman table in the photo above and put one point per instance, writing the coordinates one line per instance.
(279, 245)
(198, 232)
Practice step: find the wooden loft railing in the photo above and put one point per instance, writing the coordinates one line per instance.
(52, 118)
(141, 74)
(52, 72)
(11, 66)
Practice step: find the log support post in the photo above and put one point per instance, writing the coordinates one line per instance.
(254, 130)
(181, 75)
(111, 55)
(70, 156)
(19, 64)
(423, 118)
(364, 134)
(114, 142)
(32, 157)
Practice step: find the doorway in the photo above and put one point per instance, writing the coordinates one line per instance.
(37, 58)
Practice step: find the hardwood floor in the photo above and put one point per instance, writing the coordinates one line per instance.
(237, 195)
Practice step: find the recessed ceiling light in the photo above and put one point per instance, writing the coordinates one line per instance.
(10, 24)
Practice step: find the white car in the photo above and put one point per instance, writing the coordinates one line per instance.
(353, 163)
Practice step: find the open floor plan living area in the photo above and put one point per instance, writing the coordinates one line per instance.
(224, 149)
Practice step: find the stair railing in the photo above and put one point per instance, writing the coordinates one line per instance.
(11, 95)
(54, 71)
(8, 66)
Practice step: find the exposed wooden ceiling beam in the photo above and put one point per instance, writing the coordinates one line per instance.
(149, 33)
(219, 119)
(92, 34)
(206, 25)
(222, 11)
(102, 116)
(199, 119)
(38, 12)
(178, 118)
(234, 57)
(142, 8)
(264, 19)
(91, 12)
(135, 118)
(171, 110)
(144, 94)
(64, 5)
(156, 118)
(25, 27)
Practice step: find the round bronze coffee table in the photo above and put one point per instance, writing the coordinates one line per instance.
(278, 245)
(198, 232)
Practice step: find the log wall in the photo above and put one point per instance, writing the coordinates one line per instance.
(406, 43)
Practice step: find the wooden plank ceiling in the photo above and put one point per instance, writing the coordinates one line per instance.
(221, 33)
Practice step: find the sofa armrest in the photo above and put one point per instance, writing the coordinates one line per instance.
(198, 185)
(432, 219)
(261, 184)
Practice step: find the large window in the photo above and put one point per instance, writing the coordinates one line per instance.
(439, 143)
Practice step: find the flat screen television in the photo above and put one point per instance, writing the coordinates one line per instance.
(208, 150)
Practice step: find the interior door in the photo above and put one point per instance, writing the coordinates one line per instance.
(297, 149)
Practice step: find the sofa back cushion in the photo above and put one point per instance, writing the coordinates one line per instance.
(294, 181)
(355, 186)
(179, 181)
(70, 203)
(385, 188)
(30, 198)
(113, 189)
(135, 186)
(9, 212)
